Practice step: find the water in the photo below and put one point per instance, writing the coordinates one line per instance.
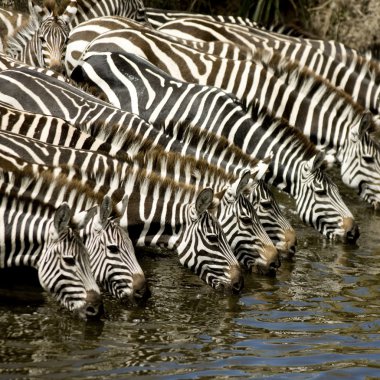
(319, 319)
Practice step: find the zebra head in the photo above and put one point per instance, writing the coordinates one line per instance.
(319, 202)
(244, 232)
(202, 246)
(64, 268)
(360, 161)
(50, 38)
(112, 256)
(268, 211)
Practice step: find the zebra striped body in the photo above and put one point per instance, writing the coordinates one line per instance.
(159, 17)
(84, 33)
(82, 109)
(36, 234)
(89, 9)
(251, 244)
(354, 74)
(293, 157)
(119, 273)
(328, 116)
(10, 21)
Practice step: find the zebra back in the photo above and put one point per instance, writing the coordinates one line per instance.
(358, 76)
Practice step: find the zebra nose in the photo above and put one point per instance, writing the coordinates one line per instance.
(351, 230)
(57, 66)
(139, 286)
(271, 260)
(237, 280)
(94, 305)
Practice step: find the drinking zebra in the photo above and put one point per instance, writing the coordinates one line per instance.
(296, 167)
(112, 257)
(164, 214)
(112, 125)
(236, 215)
(36, 234)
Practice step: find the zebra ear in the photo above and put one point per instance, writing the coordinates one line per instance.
(69, 12)
(262, 167)
(358, 130)
(317, 161)
(36, 11)
(105, 210)
(204, 200)
(239, 185)
(61, 218)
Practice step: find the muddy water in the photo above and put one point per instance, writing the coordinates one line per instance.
(320, 318)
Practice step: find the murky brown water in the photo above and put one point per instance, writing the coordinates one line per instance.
(320, 318)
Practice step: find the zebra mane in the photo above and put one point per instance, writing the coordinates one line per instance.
(191, 134)
(173, 160)
(49, 180)
(265, 118)
(304, 80)
(372, 65)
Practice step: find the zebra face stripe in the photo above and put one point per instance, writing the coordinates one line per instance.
(245, 234)
(113, 260)
(203, 249)
(64, 271)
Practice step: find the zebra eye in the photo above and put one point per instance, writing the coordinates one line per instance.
(213, 239)
(246, 220)
(266, 204)
(70, 261)
(369, 159)
(321, 192)
(113, 248)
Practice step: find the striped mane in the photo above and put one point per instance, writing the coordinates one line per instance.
(192, 135)
(48, 181)
(158, 157)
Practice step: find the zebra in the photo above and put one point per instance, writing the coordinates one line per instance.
(304, 99)
(357, 76)
(165, 214)
(244, 232)
(42, 42)
(82, 109)
(296, 167)
(81, 35)
(38, 235)
(112, 257)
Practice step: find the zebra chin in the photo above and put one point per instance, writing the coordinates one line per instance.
(348, 233)
(234, 285)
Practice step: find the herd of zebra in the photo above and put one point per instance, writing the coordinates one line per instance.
(124, 126)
